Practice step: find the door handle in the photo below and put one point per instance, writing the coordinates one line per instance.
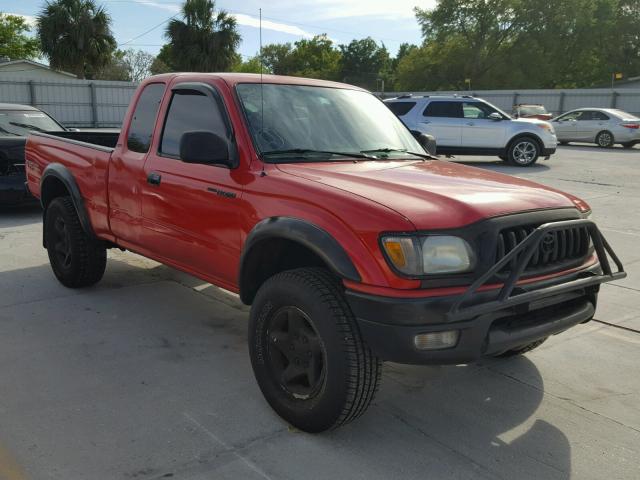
(425, 122)
(154, 178)
(471, 124)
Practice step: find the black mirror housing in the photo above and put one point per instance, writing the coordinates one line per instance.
(206, 148)
(428, 142)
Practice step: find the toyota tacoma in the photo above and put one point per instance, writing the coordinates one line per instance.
(316, 205)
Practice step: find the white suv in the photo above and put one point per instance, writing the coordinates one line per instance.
(465, 125)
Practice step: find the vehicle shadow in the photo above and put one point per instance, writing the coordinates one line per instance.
(586, 147)
(150, 345)
(19, 215)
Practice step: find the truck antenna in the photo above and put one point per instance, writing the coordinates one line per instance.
(262, 174)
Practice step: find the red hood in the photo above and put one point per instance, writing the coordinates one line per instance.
(434, 194)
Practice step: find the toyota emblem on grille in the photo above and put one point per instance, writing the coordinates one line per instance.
(548, 243)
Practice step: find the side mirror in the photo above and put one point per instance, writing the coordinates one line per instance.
(204, 147)
(428, 142)
(495, 116)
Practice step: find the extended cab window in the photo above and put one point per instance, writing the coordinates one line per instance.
(443, 109)
(144, 118)
(401, 108)
(190, 111)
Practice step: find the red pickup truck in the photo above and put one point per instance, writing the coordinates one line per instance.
(315, 204)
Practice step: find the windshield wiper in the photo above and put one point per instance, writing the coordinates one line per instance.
(309, 151)
(28, 126)
(398, 150)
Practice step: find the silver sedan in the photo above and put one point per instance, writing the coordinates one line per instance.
(602, 126)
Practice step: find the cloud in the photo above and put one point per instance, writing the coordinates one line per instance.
(241, 18)
(30, 19)
(249, 21)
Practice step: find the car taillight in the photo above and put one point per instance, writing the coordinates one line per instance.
(634, 126)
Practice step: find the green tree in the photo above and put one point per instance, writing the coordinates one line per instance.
(363, 63)
(278, 59)
(313, 58)
(251, 65)
(204, 41)
(316, 58)
(162, 62)
(75, 35)
(14, 44)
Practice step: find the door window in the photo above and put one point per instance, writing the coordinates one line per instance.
(144, 118)
(189, 111)
(443, 109)
(571, 116)
(477, 110)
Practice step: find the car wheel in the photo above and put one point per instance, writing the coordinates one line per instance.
(522, 349)
(308, 357)
(76, 259)
(523, 151)
(605, 139)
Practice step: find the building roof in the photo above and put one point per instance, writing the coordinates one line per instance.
(34, 65)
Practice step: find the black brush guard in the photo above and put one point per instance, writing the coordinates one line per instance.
(521, 255)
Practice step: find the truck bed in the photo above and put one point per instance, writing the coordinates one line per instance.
(86, 156)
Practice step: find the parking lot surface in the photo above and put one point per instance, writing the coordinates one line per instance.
(147, 375)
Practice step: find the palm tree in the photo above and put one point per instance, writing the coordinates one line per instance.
(205, 41)
(75, 35)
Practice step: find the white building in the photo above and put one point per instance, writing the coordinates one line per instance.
(29, 70)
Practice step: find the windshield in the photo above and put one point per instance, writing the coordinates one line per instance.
(317, 123)
(21, 122)
(532, 110)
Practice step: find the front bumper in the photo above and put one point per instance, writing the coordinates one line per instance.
(488, 321)
(13, 190)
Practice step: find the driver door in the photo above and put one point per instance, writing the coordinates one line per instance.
(189, 210)
(566, 126)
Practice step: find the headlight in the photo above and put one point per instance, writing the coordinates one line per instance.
(546, 126)
(433, 254)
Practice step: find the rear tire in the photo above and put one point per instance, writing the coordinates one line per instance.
(523, 349)
(307, 353)
(523, 151)
(76, 259)
(605, 139)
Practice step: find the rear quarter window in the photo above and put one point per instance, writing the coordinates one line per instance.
(443, 109)
(401, 108)
(144, 118)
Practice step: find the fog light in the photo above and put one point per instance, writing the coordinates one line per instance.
(436, 340)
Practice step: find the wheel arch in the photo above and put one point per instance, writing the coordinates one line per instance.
(524, 134)
(58, 181)
(281, 243)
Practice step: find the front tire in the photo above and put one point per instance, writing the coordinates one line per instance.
(307, 353)
(523, 152)
(76, 259)
(604, 139)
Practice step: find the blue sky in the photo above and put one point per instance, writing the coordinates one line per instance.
(391, 22)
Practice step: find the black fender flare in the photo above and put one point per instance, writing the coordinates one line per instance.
(62, 174)
(303, 232)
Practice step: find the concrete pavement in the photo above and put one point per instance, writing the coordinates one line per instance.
(147, 375)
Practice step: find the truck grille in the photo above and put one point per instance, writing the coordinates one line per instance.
(556, 249)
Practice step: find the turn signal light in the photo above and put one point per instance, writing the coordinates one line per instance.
(436, 340)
